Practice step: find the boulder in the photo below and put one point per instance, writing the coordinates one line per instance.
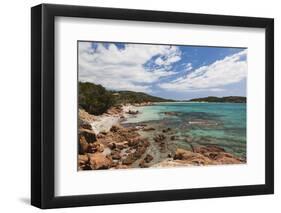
(95, 147)
(89, 135)
(192, 158)
(134, 141)
(112, 145)
(139, 151)
(122, 145)
(85, 125)
(114, 111)
(173, 137)
(159, 138)
(129, 159)
(83, 162)
(132, 112)
(100, 136)
(145, 142)
(171, 113)
(182, 154)
(148, 158)
(83, 159)
(115, 128)
(82, 146)
(115, 155)
(227, 158)
(143, 164)
(207, 149)
(166, 130)
(100, 161)
(148, 129)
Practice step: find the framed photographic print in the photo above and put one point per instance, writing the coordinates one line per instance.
(139, 106)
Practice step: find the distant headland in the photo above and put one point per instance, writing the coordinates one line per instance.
(227, 99)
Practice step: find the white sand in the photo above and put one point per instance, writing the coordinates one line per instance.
(103, 123)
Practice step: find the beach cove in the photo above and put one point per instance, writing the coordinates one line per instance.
(165, 134)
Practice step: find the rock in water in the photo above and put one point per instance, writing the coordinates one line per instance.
(166, 130)
(171, 113)
(159, 138)
(132, 112)
(148, 129)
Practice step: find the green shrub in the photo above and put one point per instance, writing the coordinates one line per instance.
(95, 99)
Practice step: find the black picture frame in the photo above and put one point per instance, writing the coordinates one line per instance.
(43, 102)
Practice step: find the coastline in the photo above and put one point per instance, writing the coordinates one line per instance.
(105, 143)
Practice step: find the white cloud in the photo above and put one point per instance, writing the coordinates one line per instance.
(188, 67)
(169, 58)
(213, 77)
(123, 69)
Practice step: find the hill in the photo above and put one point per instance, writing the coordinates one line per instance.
(95, 99)
(126, 97)
(227, 99)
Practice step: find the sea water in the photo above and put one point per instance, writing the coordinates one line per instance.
(222, 124)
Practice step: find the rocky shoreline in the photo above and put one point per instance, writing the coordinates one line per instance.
(104, 143)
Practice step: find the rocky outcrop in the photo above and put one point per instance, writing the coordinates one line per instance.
(99, 161)
(189, 157)
(88, 135)
(85, 116)
(203, 155)
(85, 139)
(82, 145)
(85, 124)
(83, 162)
(114, 111)
(118, 148)
(95, 147)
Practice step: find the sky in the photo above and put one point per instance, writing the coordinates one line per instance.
(178, 72)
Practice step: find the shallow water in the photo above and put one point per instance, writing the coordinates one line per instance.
(222, 124)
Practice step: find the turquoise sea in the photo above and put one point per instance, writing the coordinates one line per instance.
(222, 124)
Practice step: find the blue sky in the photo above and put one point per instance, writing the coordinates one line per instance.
(169, 71)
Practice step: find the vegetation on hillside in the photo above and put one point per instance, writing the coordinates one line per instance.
(95, 99)
(228, 99)
(126, 97)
